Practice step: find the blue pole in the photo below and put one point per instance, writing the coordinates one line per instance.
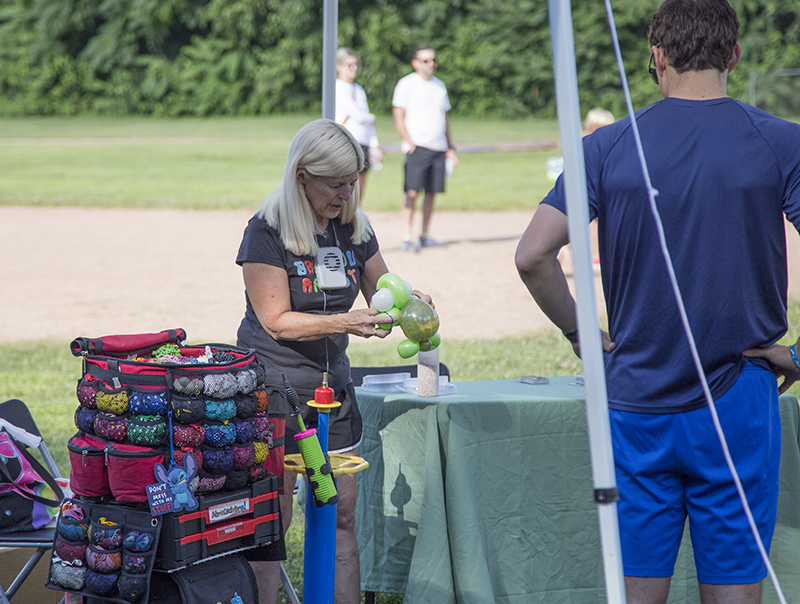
(320, 541)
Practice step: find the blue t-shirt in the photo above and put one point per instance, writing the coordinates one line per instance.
(726, 174)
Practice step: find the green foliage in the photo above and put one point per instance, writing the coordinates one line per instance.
(257, 57)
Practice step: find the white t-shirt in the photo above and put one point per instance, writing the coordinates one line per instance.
(352, 111)
(426, 104)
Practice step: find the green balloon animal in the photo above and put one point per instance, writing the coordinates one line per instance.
(416, 318)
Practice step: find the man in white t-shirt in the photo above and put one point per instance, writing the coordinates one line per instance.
(420, 105)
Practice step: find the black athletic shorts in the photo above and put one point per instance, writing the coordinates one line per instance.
(424, 170)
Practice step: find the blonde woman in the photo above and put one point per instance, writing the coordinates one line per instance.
(299, 313)
(352, 110)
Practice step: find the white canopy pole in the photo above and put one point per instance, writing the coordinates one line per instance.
(569, 120)
(330, 24)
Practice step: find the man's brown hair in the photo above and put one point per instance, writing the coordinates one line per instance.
(695, 34)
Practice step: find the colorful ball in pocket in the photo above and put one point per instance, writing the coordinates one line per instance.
(101, 584)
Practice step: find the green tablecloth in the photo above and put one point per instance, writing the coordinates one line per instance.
(486, 496)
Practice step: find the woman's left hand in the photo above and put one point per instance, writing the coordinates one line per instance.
(423, 297)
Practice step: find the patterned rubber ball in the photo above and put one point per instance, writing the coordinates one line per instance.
(101, 584)
(132, 586)
(68, 576)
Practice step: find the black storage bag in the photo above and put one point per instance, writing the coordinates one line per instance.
(140, 534)
(215, 580)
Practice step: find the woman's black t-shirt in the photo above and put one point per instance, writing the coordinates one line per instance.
(303, 362)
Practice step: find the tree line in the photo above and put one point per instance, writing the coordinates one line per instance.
(256, 57)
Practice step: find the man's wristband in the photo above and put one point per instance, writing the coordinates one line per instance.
(793, 352)
(572, 336)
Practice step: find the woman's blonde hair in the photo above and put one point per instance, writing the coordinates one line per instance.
(344, 53)
(597, 118)
(325, 148)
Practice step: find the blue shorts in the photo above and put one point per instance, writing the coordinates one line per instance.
(671, 466)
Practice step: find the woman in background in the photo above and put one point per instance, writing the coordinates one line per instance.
(353, 112)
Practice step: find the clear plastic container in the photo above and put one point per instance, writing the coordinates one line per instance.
(385, 382)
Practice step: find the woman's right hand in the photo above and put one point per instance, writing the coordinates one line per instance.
(364, 322)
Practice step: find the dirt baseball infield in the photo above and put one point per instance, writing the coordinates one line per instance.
(69, 272)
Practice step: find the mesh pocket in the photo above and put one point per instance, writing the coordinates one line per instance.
(179, 454)
(188, 410)
(111, 427)
(262, 425)
(257, 472)
(148, 403)
(262, 400)
(236, 479)
(84, 419)
(101, 584)
(246, 381)
(244, 455)
(138, 541)
(87, 393)
(220, 385)
(103, 560)
(217, 460)
(245, 430)
(220, 410)
(148, 430)
(187, 385)
(187, 435)
(209, 483)
(70, 551)
(246, 406)
(261, 452)
(68, 576)
(113, 402)
(105, 534)
(219, 434)
(132, 586)
(135, 563)
(72, 529)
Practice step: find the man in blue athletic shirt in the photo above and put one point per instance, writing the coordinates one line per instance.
(726, 174)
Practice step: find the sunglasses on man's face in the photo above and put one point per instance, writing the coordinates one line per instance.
(651, 67)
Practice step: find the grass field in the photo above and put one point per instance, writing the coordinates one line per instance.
(232, 163)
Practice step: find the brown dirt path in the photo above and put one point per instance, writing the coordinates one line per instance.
(69, 272)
